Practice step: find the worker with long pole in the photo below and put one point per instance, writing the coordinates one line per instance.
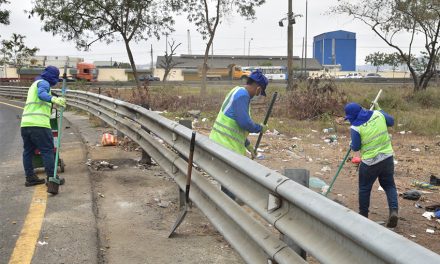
(233, 122)
(369, 135)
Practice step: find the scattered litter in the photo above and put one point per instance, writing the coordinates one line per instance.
(428, 215)
(194, 113)
(328, 130)
(433, 180)
(380, 188)
(274, 133)
(430, 231)
(109, 140)
(417, 205)
(14, 222)
(423, 185)
(260, 150)
(260, 156)
(433, 207)
(314, 131)
(100, 165)
(324, 189)
(399, 125)
(326, 168)
(164, 204)
(316, 183)
(415, 149)
(411, 195)
(296, 138)
(413, 236)
(437, 214)
(395, 162)
(42, 243)
(204, 119)
(402, 132)
(101, 195)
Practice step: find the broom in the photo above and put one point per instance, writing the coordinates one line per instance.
(54, 182)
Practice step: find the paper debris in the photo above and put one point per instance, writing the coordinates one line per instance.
(430, 231)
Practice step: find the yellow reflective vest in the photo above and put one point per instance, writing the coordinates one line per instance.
(36, 112)
(374, 137)
(226, 130)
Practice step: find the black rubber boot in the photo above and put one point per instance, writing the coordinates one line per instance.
(33, 180)
(393, 218)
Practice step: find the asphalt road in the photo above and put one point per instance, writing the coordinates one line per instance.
(36, 227)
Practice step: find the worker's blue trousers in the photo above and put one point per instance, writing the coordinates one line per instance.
(383, 170)
(38, 138)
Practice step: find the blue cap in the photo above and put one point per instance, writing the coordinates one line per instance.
(351, 111)
(50, 74)
(260, 79)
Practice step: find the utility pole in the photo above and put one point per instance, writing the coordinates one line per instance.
(305, 43)
(290, 47)
(151, 63)
(249, 49)
(189, 42)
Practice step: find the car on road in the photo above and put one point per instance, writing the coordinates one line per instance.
(373, 75)
(352, 75)
(150, 78)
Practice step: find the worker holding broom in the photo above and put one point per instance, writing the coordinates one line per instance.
(234, 123)
(369, 134)
(35, 124)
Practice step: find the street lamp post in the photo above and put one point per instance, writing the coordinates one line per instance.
(290, 21)
(249, 49)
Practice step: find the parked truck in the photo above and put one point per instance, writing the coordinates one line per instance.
(85, 71)
(233, 72)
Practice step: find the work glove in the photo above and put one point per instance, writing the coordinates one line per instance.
(61, 101)
(251, 149)
(376, 106)
(263, 128)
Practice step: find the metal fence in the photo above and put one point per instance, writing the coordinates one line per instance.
(328, 231)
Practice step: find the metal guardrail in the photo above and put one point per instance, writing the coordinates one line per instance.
(328, 231)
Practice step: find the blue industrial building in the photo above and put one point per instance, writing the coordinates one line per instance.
(336, 47)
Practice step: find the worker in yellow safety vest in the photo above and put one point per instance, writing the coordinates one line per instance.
(369, 135)
(35, 124)
(233, 122)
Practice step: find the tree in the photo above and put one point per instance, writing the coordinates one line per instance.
(394, 60)
(388, 18)
(4, 14)
(376, 59)
(168, 63)
(208, 14)
(15, 51)
(88, 21)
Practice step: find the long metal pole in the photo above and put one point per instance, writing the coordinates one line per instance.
(290, 47)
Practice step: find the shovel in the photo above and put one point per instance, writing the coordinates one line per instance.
(185, 208)
(266, 118)
(348, 151)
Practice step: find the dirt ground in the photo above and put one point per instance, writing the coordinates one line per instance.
(416, 158)
(136, 206)
(146, 198)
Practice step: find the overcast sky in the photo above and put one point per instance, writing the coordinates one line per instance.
(232, 37)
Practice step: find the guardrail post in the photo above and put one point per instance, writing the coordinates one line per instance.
(300, 176)
(187, 123)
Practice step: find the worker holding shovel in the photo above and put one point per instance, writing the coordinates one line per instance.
(35, 124)
(234, 123)
(369, 134)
